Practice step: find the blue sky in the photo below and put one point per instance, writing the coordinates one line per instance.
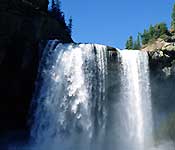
(110, 22)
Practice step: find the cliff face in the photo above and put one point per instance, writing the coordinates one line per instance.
(24, 28)
(162, 72)
(162, 81)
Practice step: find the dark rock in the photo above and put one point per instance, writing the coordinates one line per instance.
(162, 81)
(24, 5)
(161, 60)
(23, 30)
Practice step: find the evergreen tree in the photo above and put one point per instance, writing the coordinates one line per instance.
(56, 11)
(138, 41)
(135, 46)
(129, 43)
(70, 26)
(53, 7)
(163, 28)
(151, 32)
(58, 4)
(138, 45)
(173, 19)
(145, 37)
(160, 29)
(59, 13)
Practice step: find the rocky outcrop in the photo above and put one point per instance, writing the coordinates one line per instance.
(162, 61)
(160, 44)
(24, 31)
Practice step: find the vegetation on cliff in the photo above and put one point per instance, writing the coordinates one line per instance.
(155, 32)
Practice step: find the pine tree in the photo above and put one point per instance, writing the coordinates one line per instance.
(129, 43)
(70, 26)
(138, 41)
(163, 28)
(53, 7)
(58, 4)
(137, 45)
(59, 13)
(151, 32)
(173, 19)
(145, 37)
(56, 11)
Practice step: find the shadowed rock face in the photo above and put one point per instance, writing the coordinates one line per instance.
(162, 80)
(24, 31)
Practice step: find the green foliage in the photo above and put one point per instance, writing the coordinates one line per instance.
(160, 29)
(129, 43)
(151, 31)
(154, 33)
(134, 45)
(173, 19)
(137, 44)
(145, 37)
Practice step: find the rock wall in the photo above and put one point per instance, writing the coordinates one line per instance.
(162, 80)
(23, 30)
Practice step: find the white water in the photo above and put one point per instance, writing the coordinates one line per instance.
(70, 107)
(73, 109)
(135, 100)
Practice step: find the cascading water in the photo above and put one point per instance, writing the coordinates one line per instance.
(74, 109)
(71, 101)
(135, 100)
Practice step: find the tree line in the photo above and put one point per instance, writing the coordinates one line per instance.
(159, 30)
(56, 12)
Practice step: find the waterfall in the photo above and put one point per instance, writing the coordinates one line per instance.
(135, 99)
(70, 102)
(73, 108)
